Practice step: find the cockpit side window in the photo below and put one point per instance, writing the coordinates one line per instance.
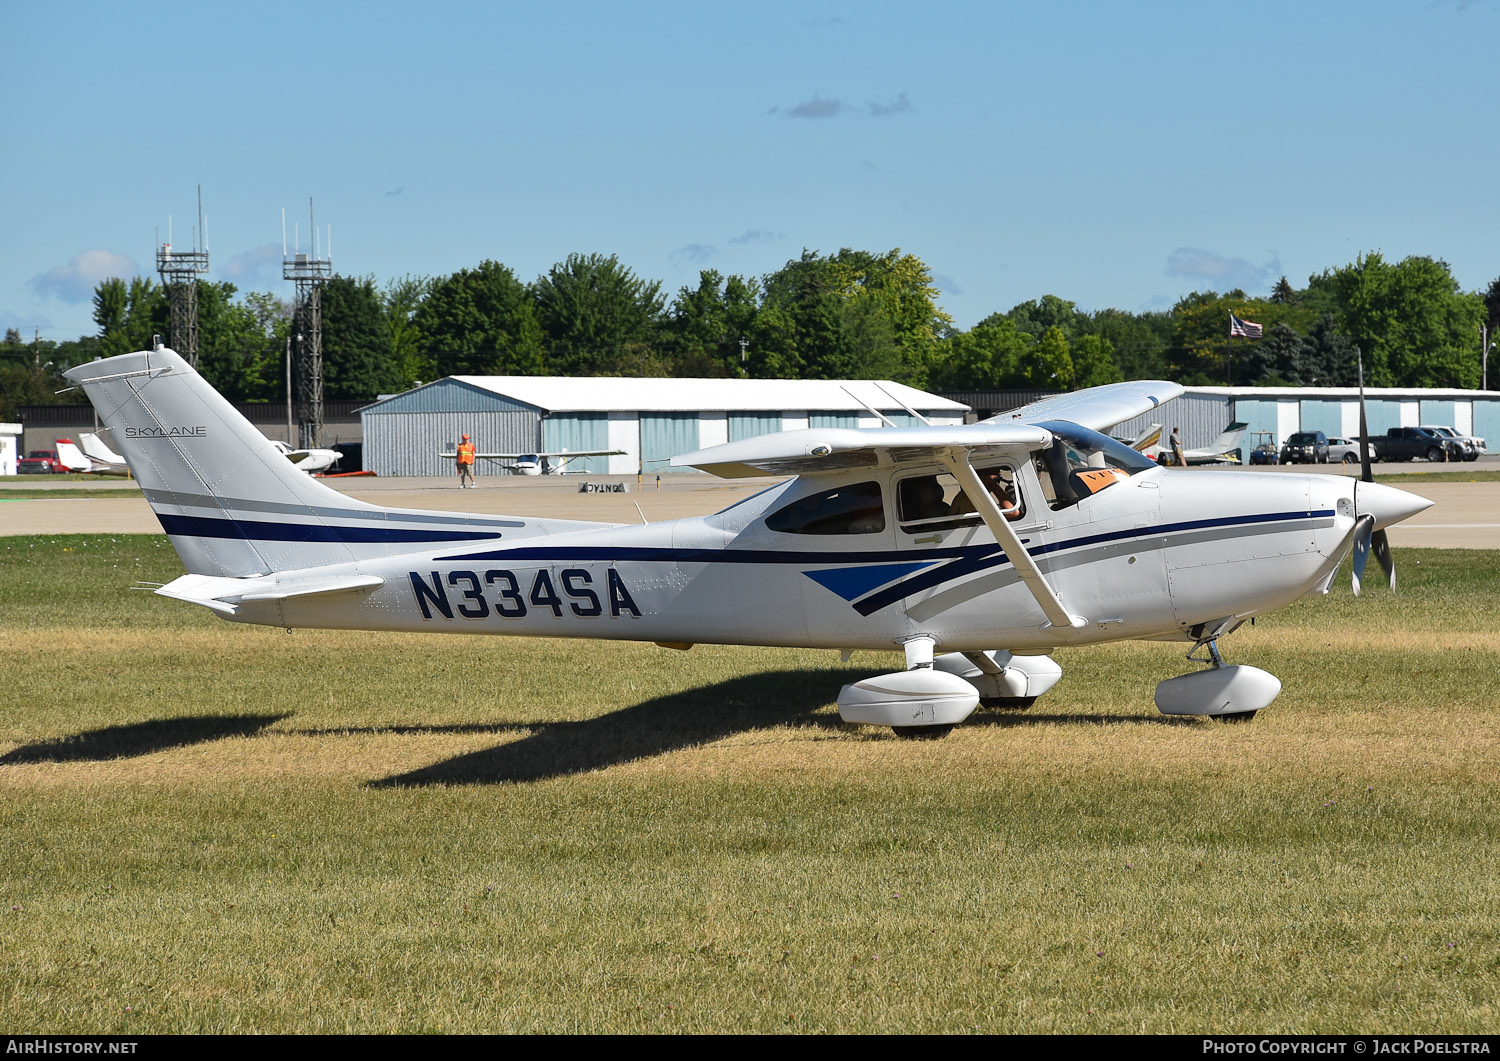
(1082, 462)
(857, 508)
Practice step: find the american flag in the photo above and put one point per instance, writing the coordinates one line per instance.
(1244, 329)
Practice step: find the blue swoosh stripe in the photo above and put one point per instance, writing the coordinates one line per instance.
(852, 582)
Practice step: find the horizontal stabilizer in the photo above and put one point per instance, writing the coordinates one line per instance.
(226, 595)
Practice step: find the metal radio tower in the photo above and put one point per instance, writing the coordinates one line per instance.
(309, 272)
(179, 275)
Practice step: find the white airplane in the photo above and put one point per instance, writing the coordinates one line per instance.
(1220, 451)
(541, 463)
(99, 452)
(860, 550)
(308, 460)
(90, 463)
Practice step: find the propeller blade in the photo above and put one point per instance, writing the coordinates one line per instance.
(1362, 532)
(1382, 546)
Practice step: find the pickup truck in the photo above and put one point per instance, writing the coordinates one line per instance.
(1473, 446)
(1404, 443)
(40, 462)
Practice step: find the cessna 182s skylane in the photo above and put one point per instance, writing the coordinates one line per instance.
(1062, 537)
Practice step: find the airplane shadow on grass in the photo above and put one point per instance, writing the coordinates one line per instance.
(139, 738)
(654, 727)
(683, 720)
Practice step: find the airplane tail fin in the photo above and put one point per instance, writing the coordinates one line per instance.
(231, 504)
(1231, 438)
(94, 448)
(72, 458)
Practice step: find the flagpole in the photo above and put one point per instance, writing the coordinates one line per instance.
(1228, 356)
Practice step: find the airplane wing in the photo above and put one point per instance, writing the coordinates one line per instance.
(828, 449)
(1099, 408)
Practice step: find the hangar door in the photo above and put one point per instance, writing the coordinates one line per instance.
(664, 436)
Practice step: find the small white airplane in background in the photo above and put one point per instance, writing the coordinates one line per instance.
(1063, 538)
(541, 463)
(95, 458)
(1220, 451)
(308, 460)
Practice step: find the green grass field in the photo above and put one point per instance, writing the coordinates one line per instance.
(217, 828)
(1479, 475)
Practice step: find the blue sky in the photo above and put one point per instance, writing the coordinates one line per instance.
(1117, 154)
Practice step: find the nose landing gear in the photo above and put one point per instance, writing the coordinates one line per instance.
(1230, 693)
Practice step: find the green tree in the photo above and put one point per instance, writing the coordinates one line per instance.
(1202, 352)
(237, 350)
(400, 301)
(708, 322)
(1049, 363)
(987, 357)
(597, 317)
(479, 321)
(1049, 311)
(1094, 362)
(129, 314)
(854, 315)
(1414, 325)
(1139, 341)
(358, 363)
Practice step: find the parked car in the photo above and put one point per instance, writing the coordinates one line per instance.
(1404, 443)
(1472, 447)
(1305, 447)
(1347, 450)
(40, 462)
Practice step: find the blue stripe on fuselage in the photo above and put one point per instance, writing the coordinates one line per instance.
(255, 530)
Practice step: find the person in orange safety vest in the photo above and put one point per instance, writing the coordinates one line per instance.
(465, 463)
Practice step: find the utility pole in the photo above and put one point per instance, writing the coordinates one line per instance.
(1485, 346)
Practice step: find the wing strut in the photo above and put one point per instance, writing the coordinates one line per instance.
(956, 460)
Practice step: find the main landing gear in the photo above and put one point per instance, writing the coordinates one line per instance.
(931, 696)
(1228, 693)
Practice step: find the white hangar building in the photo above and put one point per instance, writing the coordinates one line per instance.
(651, 420)
(1274, 413)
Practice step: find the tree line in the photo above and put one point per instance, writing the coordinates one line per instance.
(854, 314)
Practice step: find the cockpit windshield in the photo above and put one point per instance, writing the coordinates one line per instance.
(1082, 462)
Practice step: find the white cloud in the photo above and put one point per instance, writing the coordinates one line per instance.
(946, 284)
(75, 282)
(885, 110)
(254, 270)
(755, 235)
(817, 107)
(694, 253)
(1224, 273)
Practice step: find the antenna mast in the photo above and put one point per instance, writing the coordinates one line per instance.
(179, 275)
(309, 272)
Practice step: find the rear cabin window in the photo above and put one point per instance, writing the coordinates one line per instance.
(854, 509)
